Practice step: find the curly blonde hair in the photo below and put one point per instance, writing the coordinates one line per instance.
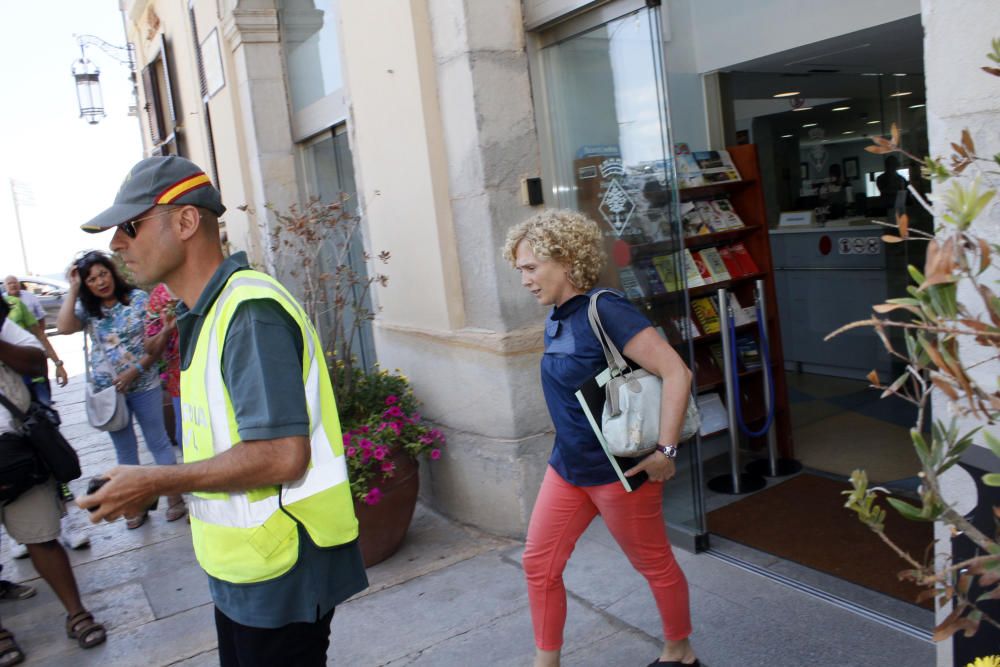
(564, 236)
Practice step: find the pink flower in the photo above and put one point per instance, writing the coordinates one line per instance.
(388, 466)
(351, 451)
(373, 496)
(392, 399)
(381, 452)
(436, 434)
(347, 439)
(395, 427)
(366, 454)
(365, 444)
(426, 440)
(363, 429)
(435, 454)
(394, 411)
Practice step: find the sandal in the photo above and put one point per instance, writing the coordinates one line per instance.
(10, 652)
(87, 632)
(134, 522)
(177, 510)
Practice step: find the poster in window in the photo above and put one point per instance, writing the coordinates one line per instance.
(211, 59)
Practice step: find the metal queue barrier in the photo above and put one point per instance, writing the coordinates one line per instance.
(735, 482)
(773, 465)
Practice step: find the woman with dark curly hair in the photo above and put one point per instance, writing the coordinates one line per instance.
(560, 256)
(113, 314)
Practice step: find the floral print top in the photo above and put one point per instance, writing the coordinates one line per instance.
(116, 341)
(162, 302)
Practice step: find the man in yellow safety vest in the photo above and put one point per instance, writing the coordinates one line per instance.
(272, 517)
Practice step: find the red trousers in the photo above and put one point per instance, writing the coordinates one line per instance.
(563, 511)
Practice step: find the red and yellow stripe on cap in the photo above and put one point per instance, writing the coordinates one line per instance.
(181, 188)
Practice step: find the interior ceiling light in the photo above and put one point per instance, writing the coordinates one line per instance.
(902, 93)
(873, 122)
(802, 109)
(917, 106)
(848, 132)
(809, 125)
(840, 108)
(899, 74)
(787, 136)
(871, 74)
(788, 94)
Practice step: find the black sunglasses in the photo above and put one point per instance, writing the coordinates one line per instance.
(128, 227)
(88, 257)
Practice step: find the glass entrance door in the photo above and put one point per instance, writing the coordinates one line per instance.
(604, 89)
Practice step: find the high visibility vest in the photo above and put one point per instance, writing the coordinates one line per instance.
(250, 536)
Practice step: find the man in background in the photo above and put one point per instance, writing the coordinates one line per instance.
(15, 288)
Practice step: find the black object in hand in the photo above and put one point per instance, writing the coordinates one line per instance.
(94, 486)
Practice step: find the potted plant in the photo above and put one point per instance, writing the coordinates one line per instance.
(383, 445)
(384, 435)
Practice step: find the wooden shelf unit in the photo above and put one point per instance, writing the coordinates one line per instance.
(747, 199)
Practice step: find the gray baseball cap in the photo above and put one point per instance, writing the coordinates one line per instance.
(167, 179)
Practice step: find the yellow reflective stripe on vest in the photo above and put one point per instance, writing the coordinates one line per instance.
(245, 536)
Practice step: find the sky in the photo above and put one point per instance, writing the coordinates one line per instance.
(71, 168)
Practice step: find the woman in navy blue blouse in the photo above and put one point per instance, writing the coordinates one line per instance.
(560, 255)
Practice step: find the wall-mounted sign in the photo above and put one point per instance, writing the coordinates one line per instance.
(859, 245)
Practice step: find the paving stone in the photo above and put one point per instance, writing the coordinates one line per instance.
(428, 610)
(155, 644)
(432, 543)
(206, 659)
(506, 640)
(41, 631)
(625, 647)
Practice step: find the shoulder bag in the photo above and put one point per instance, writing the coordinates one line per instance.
(631, 418)
(39, 428)
(106, 408)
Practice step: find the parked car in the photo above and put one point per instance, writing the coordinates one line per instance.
(50, 292)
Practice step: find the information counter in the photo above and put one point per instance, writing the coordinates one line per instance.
(826, 276)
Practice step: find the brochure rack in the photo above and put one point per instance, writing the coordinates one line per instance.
(663, 276)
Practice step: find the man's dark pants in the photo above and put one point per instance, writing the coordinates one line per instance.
(299, 644)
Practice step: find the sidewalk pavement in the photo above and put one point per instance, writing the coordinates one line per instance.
(452, 596)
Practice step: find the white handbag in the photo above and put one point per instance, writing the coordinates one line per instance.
(106, 408)
(631, 419)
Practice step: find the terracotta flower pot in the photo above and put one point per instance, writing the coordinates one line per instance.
(383, 526)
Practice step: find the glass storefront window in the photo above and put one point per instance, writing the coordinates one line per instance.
(312, 49)
(329, 174)
(607, 113)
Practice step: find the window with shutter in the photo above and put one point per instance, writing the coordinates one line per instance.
(159, 104)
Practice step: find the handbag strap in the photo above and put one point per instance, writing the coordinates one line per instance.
(91, 331)
(616, 362)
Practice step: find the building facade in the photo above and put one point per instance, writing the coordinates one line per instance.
(434, 115)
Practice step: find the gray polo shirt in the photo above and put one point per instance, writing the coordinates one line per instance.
(262, 369)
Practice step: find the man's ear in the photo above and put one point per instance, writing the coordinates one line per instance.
(188, 222)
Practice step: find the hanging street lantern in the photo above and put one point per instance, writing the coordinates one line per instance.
(87, 76)
(88, 88)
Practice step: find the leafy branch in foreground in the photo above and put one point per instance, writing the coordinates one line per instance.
(941, 327)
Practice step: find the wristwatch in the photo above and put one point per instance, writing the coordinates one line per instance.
(670, 451)
(57, 363)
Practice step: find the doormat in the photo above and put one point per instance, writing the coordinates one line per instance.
(803, 520)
